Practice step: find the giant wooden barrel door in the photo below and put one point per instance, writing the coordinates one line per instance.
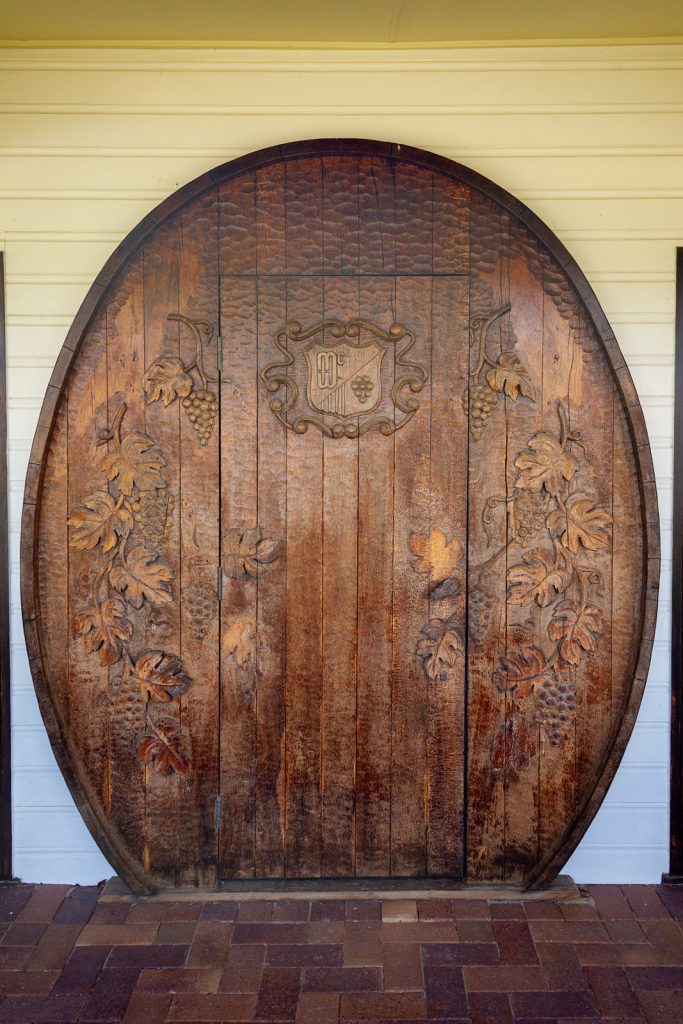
(340, 542)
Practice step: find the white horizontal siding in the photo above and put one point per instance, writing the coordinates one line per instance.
(591, 138)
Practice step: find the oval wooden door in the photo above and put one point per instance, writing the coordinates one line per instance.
(342, 499)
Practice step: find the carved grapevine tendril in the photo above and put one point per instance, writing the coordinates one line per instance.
(505, 375)
(130, 575)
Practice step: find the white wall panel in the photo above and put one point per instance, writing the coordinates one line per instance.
(590, 138)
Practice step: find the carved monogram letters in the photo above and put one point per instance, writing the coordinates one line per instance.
(349, 377)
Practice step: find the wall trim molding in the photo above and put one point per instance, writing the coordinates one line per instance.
(676, 791)
(5, 759)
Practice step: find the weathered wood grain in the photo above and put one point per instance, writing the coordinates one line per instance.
(304, 687)
(239, 513)
(199, 522)
(162, 337)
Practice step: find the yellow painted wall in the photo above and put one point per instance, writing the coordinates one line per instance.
(590, 138)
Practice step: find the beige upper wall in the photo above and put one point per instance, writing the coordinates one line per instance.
(384, 22)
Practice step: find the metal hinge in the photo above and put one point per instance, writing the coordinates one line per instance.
(219, 353)
(219, 582)
(217, 812)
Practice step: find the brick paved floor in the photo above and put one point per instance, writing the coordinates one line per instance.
(617, 957)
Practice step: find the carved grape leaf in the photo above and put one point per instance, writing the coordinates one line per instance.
(510, 376)
(539, 579)
(105, 629)
(581, 522)
(519, 669)
(240, 639)
(438, 645)
(135, 464)
(514, 745)
(248, 552)
(143, 577)
(434, 554)
(160, 675)
(100, 521)
(576, 627)
(168, 380)
(165, 749)
(544, 464)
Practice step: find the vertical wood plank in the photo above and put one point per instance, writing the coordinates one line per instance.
(377, 256)
(239, 514)
(410, 699)
(163, 338)
(375, 598)
(199, 514)
(448, 513)
(125, 366)
(521, 331)
(88, 680)
(303, 847)
(451, 226)
(591, 411)
(486, 578)
(339, 622)
(557, 768)
(627, 553)
(271, 623)
(376, 216)
(340, 540)
(52, 554)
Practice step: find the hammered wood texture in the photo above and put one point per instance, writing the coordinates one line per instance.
(340, 548)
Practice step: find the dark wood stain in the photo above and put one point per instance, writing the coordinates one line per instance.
(332, 630)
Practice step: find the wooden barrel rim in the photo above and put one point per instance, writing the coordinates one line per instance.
(112, 846)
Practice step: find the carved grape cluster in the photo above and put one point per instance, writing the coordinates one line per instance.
(556, 702)
(480, 606)
(169, 378)
(202, 411)
(478, 402)
(362, 388)
(199, 604)
(503, 375)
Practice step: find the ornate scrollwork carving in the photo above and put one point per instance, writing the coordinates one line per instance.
(346, 379)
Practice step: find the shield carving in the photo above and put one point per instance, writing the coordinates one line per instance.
(345, 379)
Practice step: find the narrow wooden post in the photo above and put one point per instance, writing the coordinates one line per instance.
(676, 821)
(5, 763)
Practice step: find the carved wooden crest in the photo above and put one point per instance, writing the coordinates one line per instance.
(351, 387)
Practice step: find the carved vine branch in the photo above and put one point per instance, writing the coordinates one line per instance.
(490, 376)
(126, 525)
(553, 530)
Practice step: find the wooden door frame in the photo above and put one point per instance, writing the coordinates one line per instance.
(676, 784)
(5, 750)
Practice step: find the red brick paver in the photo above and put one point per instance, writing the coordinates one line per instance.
(614, 956)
